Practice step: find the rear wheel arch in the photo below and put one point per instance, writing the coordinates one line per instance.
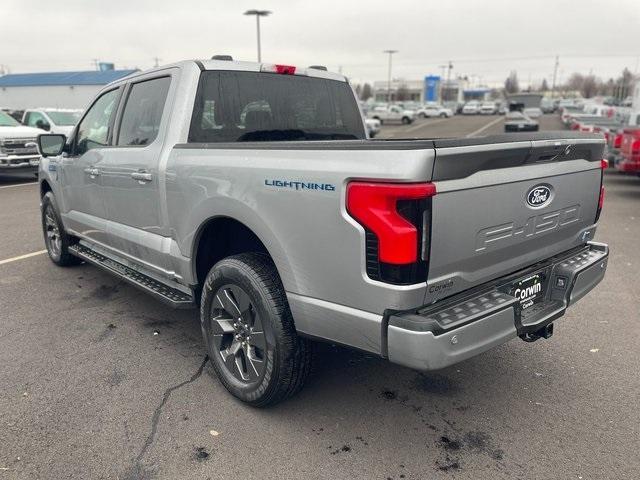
(220, 237)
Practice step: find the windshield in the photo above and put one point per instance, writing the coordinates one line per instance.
(7, 120)
(64, 119)
(253, 107)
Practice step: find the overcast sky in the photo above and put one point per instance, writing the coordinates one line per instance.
(484, 38)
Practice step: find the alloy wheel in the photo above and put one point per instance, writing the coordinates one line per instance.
(52, 232)
(238, 335)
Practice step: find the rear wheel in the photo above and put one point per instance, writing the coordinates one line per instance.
(249, 331)
(443, 115)
(406, 120)
(56, 239)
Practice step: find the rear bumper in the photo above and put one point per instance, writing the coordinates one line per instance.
(468, 324)
(524, 128)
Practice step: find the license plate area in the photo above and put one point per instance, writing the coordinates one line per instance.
(529, 290)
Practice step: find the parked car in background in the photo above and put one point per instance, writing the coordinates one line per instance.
(373, 126)
(503, 108)
(488, 108)
(392, 114)
(471, 108)
(434, 110)
(601, 110)
(54, 120)
(18, 148)
(548, 105)
(566, 112)
(630, 151)
(516, 121)
(533, 112)
(614, 147)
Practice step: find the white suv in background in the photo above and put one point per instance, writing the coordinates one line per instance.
(54, 120)
(488, 108)
(471, 108)
(434, 110)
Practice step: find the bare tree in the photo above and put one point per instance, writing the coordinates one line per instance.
(575, 81)
(511, 84)
(366, 93)
(589, 86)
(545, 85)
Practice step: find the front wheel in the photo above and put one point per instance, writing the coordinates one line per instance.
(249, 331)
(56, 239)
(406, 120)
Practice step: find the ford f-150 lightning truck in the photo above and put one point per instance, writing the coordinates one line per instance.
(251, 191)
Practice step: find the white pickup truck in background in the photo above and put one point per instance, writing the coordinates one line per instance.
(391, 114)
(18, 148)
(53, 120)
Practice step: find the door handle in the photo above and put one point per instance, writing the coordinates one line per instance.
(93, 172)
(142, 177)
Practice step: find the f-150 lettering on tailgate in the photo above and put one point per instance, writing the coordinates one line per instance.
(510, 233)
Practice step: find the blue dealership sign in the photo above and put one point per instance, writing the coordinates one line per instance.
(431, 87)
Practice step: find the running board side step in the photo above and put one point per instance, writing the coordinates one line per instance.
(171, 296)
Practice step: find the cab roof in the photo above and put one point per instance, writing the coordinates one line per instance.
(240, 66)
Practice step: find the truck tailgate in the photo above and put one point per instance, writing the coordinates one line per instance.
(504, 203)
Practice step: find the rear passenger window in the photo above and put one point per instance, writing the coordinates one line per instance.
(143, 112)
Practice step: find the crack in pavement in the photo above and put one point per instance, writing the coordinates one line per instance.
(136, 470)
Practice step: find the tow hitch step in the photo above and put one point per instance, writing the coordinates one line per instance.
(172, 296)
(544, 332)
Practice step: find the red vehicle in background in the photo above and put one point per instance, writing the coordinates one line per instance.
(630, 151)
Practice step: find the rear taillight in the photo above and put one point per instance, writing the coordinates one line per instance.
(396, 220)
(604, 164)
(617, 141)
(635, 147)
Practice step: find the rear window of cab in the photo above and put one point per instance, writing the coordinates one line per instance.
(251, 106)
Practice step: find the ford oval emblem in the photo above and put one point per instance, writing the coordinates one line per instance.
(539, 196)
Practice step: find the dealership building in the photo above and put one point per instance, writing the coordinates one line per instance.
(20, 91)
(430, 89)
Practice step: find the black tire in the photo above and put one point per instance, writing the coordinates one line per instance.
(443, 115)
(56, 239)
(422, 115)
(276, 362)
(406, 120)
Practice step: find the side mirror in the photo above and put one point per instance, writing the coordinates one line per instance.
(43, 125)
(51, 144)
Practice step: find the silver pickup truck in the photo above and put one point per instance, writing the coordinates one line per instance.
(252, 192)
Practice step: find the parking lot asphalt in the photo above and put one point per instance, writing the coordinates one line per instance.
(101, 381)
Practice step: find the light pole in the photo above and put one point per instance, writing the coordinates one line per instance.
(390, 52)
(258, 14)
(449, 67)
(441, 89)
